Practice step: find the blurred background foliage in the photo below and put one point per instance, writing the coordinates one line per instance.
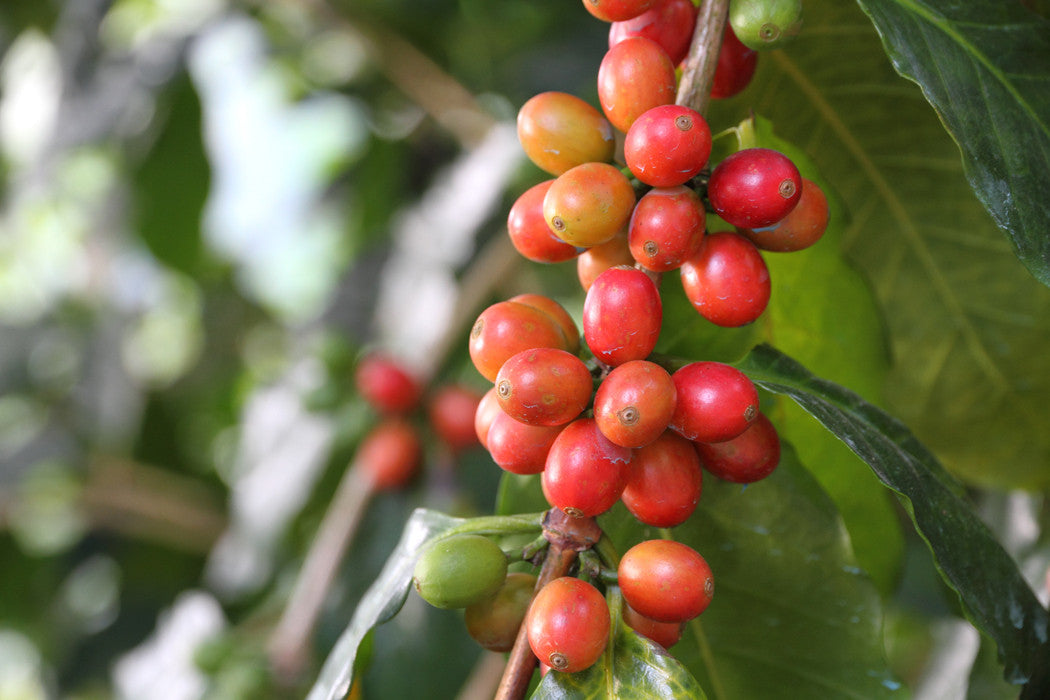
(211, 207)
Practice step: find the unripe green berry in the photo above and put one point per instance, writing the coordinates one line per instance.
(456, 571)
(765, 24)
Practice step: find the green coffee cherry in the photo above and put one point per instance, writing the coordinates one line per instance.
(765, 24)
(456, 571)
(494, 621)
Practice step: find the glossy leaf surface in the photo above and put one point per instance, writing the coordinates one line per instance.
(974, 564)
(984, 65)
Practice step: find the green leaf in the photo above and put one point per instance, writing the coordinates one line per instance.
(984, 65)
(967, 326)
(171, 185)
(792, 615)
(992, 590)
(631, 667)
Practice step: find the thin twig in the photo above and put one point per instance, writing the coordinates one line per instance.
(698, 69)
(289, 643)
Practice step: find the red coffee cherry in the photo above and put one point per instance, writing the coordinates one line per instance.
(669, 23)
(634, 403)
(800, 229)
(736, 66)
(529, 232)
(665, 580)
(568, 625)
(667, 145)
(754, 187)
(387, 385)
(666, 634)
(617, 10)
(585, 473)
(634, 76)
(667, 228)
(505, 329)
(749, 457)
(596, 260)
(487, 410)
(589, 204)
(451, 411)
(391, 454)
(517, 447)
(555, 311)
(622, 313)
(727, 281)
(715, 402)
(559, 131)
(544, 386)
(494, 622)
(664, 481)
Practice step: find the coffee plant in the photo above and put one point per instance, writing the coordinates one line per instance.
(598, 349)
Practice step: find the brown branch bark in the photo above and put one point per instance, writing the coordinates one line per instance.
(698, 69)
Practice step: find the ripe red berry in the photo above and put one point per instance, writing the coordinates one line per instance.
(666, 634)
(517, 447)
(391, 454)
(749, 457)
(596, 260)
(634, 403)
(667, 145)
(559, 131)
(754, 187)
(387, 385)
(617, 10)
(669, 23)
(665, 580)
(667, 228)
(568, 624)
(727, 281)
(622, 314)
(716, 402)
(736, 66)
(664, 481)
(529, 232)
(505, 329)
(544, 386)
(589, 204)
(634, 76)
(585, 473)
(803, 227)
(451, 411)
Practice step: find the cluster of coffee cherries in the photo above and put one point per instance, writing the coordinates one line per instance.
(391, 453)
(610, 421)
(652, 214)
